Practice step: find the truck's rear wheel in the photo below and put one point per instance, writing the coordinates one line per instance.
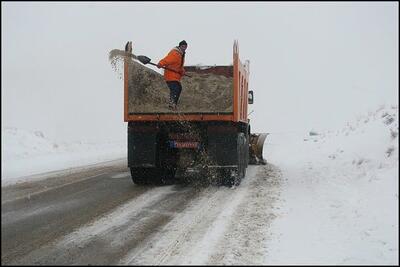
(138, 176)
(232, 176)
(229, 176)
(145, 176)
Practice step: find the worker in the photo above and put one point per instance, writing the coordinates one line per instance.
(175, 61)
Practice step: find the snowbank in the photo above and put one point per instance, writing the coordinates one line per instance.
(340, 200)
(30, 152)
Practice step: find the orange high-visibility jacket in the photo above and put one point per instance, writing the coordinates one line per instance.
(174, 60)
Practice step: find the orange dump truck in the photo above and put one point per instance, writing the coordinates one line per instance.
(209, 137)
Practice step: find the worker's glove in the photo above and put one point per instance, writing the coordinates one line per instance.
(159, 65)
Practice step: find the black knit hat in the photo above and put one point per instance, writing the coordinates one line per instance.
(183, 42)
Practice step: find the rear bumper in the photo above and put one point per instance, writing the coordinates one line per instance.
(209, 171)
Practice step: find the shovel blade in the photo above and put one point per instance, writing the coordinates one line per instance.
(144, 59)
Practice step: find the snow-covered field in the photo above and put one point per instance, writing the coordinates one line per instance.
(25, 153)
(340, 196)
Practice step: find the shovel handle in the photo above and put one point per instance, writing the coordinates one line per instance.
(169, 69)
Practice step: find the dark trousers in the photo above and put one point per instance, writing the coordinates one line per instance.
(175, 89)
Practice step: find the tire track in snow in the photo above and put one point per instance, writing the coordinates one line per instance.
(245, 240)
(162, 225)
(110, 237)
(187, 226)
(203, 232)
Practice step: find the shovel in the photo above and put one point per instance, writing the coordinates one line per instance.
(145, 60)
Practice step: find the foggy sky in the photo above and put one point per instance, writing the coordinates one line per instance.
(312, 65)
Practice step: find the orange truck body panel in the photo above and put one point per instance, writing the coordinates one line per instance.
(240, 98)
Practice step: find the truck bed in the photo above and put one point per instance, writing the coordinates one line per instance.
(205, 92)
(212, 93)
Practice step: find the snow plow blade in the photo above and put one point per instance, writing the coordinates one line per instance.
(256, 148)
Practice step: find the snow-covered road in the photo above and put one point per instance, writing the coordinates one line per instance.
(106, 219)
(324, 198)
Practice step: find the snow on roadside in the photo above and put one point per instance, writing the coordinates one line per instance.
(340, 194)
(26, 153)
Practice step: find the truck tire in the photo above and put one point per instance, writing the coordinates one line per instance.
(241, 143)
(156, 176)
(235, 178)
(230, 177)
(138, 176)
(145, 176)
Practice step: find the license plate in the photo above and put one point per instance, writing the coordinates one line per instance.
(179, 144)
